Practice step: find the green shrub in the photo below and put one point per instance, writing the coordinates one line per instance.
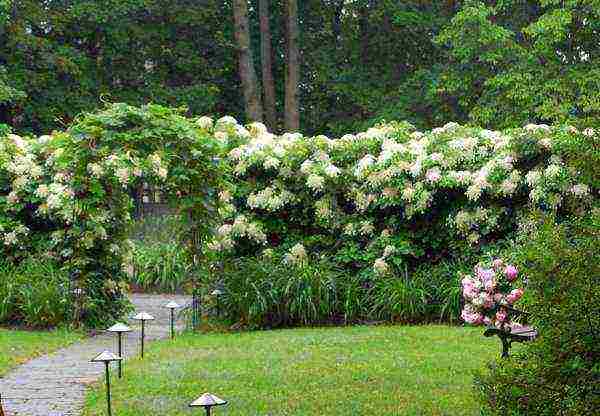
(559, 374)
(35, 293)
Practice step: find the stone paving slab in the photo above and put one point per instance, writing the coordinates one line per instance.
(55, 384)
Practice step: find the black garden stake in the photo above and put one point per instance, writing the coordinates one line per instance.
(107, 357)
(143, 317)
(119, 329)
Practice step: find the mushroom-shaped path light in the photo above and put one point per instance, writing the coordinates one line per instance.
(172, 305)
(208, 401)
(106, 357)
(119, 329)
(143, 317)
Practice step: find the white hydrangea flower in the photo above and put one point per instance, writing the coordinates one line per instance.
(474, 192)
(315, 182)
(227, 120)
(366, 228)
(508, 187)
(388, 251)
(350, 229)
(580, 190)
(225, 196)
(221, 135)
(271, 163)
(589, 132)
(408, 193)
(533, 177)
(296, 255)
(546, 143)
(332, 171)
(257, 128)
(224, 230)
(381, 267)
(552, 171)
(205, 123)
(123, 175)
(363, 164)
(96, 170)
(306, 166)
(536, 195)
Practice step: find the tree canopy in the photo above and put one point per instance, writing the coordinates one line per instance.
(494, 63)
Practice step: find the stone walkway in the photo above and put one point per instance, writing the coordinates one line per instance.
(54, 384)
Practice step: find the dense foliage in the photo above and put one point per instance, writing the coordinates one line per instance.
(498, 64)
(382, 206)
(560, 372)
(35, 293)
(67, 197)
(513, 61)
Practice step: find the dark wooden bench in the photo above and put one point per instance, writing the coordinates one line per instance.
(508, 335)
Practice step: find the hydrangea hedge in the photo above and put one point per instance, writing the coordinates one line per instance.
(383, 204)
(376, 208)
(66, 196)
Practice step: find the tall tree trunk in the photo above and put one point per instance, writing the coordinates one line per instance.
(363, 26)
(267, 66)
(292, 79)
(252, 101)
(336, 25)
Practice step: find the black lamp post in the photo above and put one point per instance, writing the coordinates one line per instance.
(143, 317)
(217, 293)
(106, 357)
(119, 329)
(172, 305)
(208, 401)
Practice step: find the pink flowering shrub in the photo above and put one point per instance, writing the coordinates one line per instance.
(489, 294)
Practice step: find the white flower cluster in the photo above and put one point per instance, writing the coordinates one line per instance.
(270, 199)
(296, 255)
(394, 166)
(241, 227)
(473, 224)
(13, 237)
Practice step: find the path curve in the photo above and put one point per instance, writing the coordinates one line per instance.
(55, 384)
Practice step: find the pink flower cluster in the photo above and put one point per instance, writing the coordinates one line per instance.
(489, 294)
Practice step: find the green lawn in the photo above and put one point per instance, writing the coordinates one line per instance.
(18, 346)
(362, 370)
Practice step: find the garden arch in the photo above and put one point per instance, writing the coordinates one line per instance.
(68, 196)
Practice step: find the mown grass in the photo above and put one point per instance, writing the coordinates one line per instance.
(18, 346)
(361, 370)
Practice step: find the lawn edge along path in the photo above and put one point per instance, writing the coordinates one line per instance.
(55, 384)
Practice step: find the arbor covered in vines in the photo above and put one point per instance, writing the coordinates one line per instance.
(67, 196)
